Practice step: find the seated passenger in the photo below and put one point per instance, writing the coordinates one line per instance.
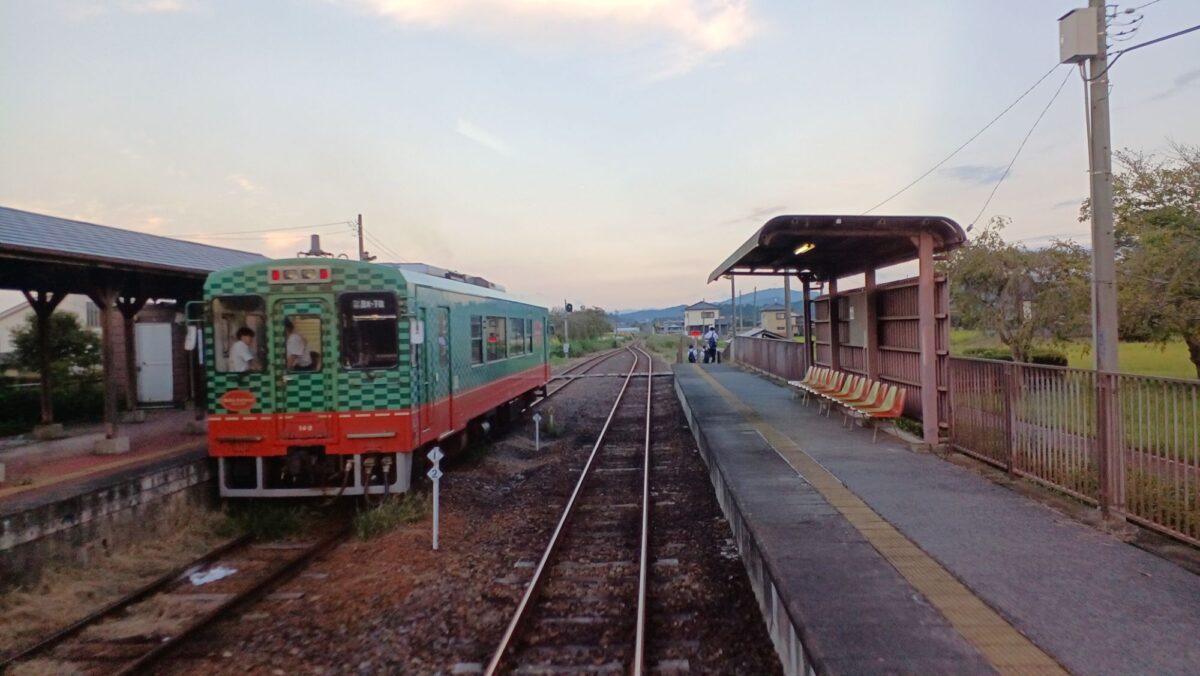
(241, 355)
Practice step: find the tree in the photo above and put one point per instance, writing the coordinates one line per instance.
(1156, 204)
(72, 347)
(1022, 295)
(586, 323)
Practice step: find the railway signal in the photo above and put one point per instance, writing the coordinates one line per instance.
(537, 431)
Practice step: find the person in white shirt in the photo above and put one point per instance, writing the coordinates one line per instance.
(298, 356)
(241, 354)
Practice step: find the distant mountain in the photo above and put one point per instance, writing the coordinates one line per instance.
(747, 304)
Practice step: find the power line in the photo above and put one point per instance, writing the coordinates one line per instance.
(1122, 52)
(384, 247)
(263, 230)
(966, 143)
(1020, 147)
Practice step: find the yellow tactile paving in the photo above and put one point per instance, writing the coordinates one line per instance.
(1005, 648)
(41, 483)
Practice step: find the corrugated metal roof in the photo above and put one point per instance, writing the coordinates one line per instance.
(52, 235)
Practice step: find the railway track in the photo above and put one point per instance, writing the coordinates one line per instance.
(131, 636)
(575, 371)
(585, 606)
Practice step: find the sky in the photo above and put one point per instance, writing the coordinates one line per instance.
(606, 152)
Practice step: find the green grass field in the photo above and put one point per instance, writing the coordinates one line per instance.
(1150, 359)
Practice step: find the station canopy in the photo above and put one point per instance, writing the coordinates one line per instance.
(46, 252)
(831, 246)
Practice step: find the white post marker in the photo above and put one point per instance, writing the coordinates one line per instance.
(537, 430)
(435, 456)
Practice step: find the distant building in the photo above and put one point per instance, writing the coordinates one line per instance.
(15, 317)
(699, 316)
(774, 317)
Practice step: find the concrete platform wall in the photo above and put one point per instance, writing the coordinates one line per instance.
(784, 632)
(80, 527)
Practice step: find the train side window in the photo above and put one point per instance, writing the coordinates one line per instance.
(370, 339)
(476, 339)
(239, 333)
(529, 336)
(516, 337)
(496, 339)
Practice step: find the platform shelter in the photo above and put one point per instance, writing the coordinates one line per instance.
(46, 258)
(897, 333)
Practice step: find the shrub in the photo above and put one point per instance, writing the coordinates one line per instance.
(1042, 356)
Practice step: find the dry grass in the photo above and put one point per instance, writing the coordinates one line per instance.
(46, 667)
(68, 592)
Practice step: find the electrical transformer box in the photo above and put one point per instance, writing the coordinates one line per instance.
(1078, 35)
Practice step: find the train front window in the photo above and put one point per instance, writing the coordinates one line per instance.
(239, 334)
(370, 339)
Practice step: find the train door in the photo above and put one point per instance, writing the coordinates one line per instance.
(437, 360)
(301, 365)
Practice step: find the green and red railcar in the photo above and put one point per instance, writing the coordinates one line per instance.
(398, 359)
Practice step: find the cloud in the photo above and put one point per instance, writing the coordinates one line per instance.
(1177, 86)
(482, 137)
(1068, 203)
(974, 173)
(755, 215)
(696, 28)
(85, 10)
(244, 183)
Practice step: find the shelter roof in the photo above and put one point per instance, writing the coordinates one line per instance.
(51, 253)
(840, 245)
(61, 236)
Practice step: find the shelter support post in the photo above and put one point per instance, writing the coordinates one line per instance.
(835, 334)
(787, 305)
(105, 298)
(43, 304)
(733, 303)
(129, 307)
(806, 289)
(871, 319)
(928, 344)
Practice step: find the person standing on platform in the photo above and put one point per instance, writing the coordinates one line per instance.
(710, 346)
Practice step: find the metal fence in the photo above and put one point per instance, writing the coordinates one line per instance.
(1127, 443)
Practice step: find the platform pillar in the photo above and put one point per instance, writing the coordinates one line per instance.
(927, 324)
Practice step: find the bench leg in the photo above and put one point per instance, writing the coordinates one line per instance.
(875, 434)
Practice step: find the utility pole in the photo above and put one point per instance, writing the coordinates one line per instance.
(362, 252)
(1104, 286)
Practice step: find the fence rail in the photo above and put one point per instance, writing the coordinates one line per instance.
(1129, 443)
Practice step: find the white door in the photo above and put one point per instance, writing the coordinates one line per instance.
(155, 371)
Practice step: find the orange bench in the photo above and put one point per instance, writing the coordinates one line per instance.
(858, 396)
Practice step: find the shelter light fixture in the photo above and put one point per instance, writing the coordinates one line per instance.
(804, 248)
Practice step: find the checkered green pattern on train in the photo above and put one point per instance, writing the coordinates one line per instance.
(345, 276)
(378, 389)
(219, 383)
(304, 392)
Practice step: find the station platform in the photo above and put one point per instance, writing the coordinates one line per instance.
(870, 558)
(62, 502)
(37, 471)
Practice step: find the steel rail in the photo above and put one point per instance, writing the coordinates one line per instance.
(122, 603)
(535, 583)
(276, 576)
(582, 367)
(639, 647)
